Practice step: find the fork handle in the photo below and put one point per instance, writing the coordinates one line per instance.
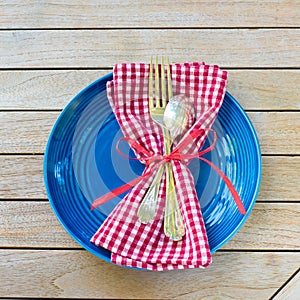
(147, 209)
(173, 222)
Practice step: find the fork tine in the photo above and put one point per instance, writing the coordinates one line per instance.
(151, 104)
(170, 95)
(157, 90)
(163, 84)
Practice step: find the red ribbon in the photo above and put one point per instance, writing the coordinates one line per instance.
(176, 154)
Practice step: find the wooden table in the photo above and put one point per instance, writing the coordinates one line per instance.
(50, 50)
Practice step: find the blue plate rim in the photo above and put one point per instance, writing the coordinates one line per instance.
(105, 258)
(259, 171)
(45, 167)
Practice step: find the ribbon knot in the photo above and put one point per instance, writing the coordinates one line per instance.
(163, 158)
(169, 157)
(176, 154)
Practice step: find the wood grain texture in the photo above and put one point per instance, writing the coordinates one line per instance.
(116, 13)
(104, 48)
(280, 178)
(28, 132)
(291, 290)
(73, 274)
(278, 133)
(254, 89)
(270, 226)
(51, 50)
(43, 89)
(265, 89)
(31, 224)
(22, 178)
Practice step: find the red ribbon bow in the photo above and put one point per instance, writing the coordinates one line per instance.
(176, 154)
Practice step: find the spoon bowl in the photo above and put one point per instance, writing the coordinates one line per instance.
(179, 116)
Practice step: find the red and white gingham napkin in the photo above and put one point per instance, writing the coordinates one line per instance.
(145, 245)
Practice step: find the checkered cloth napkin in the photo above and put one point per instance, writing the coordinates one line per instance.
(145, 245)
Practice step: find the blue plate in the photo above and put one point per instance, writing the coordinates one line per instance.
(81, 164)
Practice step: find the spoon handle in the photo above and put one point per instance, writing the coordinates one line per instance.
(173, 222)
(147, 209)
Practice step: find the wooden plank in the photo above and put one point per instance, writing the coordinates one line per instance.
(31, 224)
(73, 274)
(43, 89)
(25, 132)
(265, 89)
(278, 132)
(104, 48)
(271, 226)
(280, 178)
(291, 290)
(22, 178)
(254, 89)
(115, 13)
